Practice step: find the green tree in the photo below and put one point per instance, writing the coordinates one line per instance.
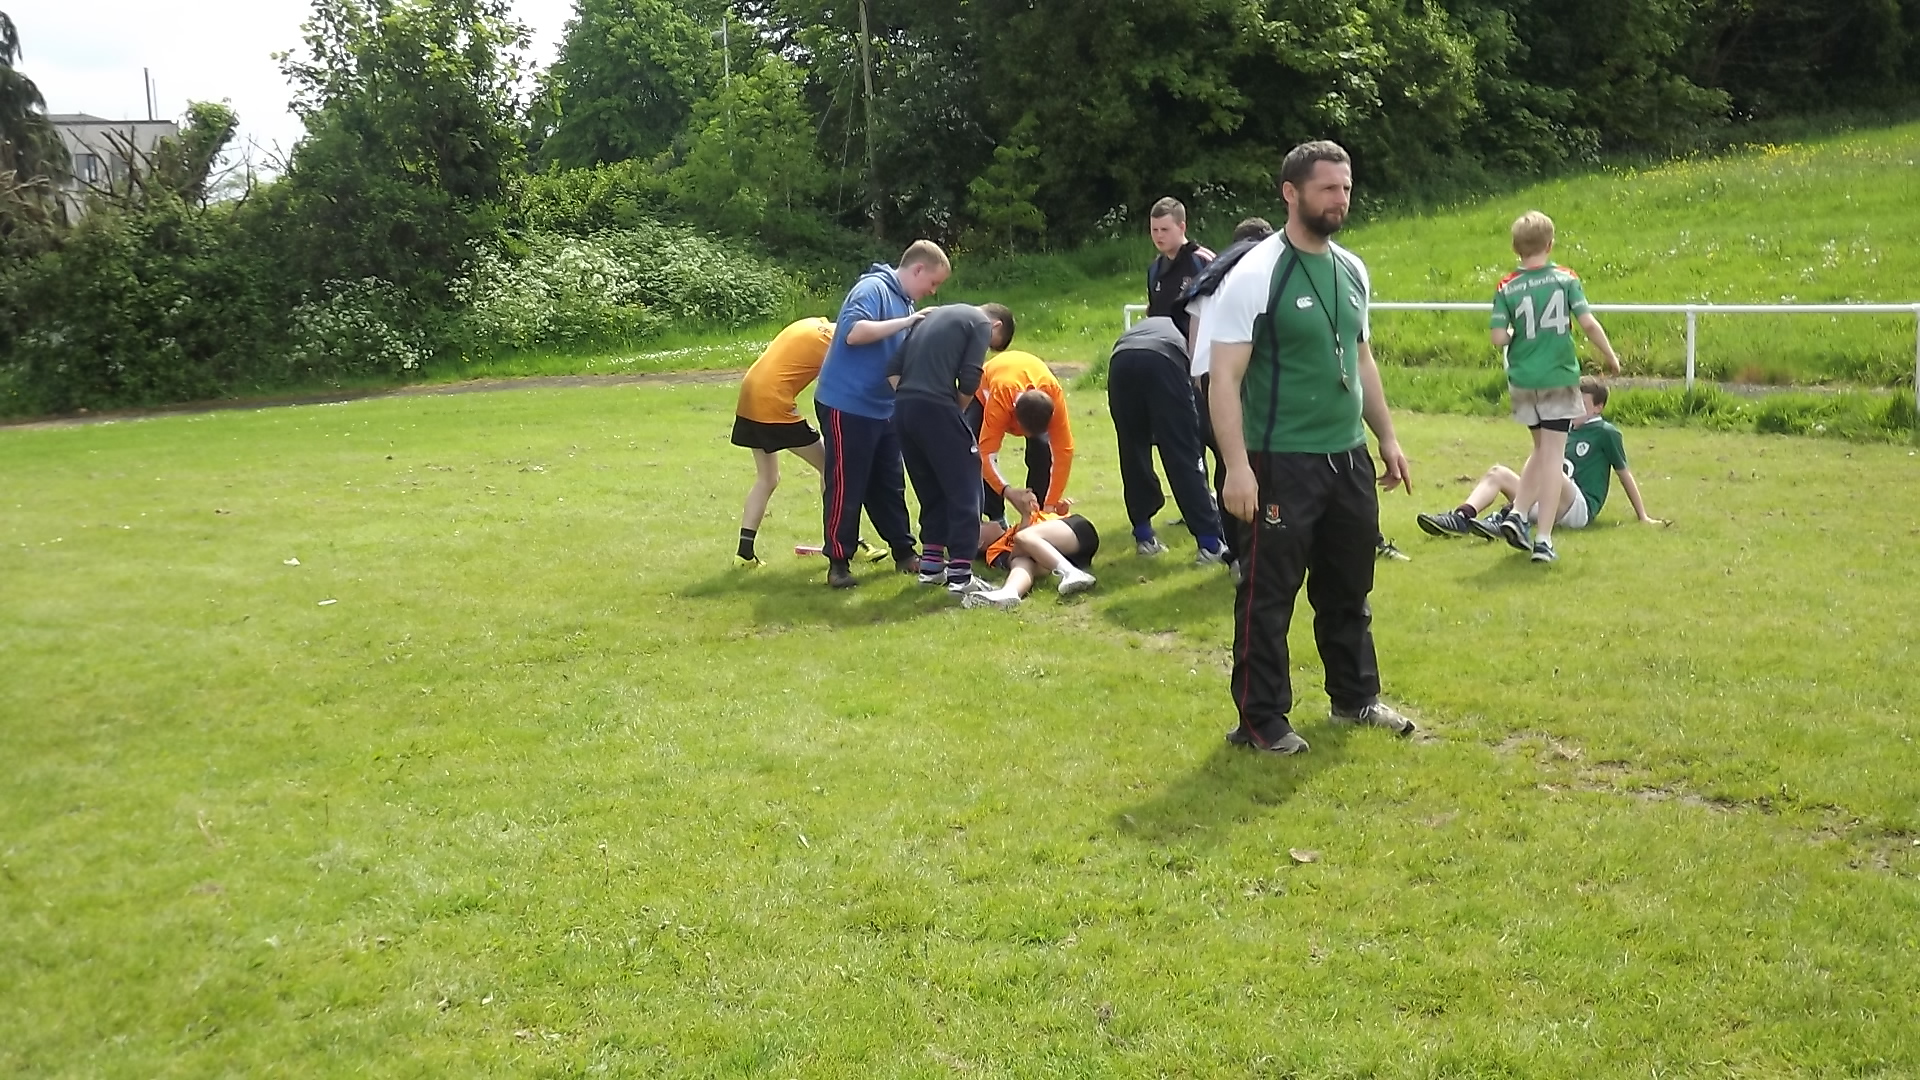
(1001, 198)
(751, 163)
(33, 160)
(412, 145)
(626, 80)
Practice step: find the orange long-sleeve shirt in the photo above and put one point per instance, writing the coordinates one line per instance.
(1005, 378)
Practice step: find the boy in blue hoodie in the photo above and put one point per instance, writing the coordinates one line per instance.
(855, 405)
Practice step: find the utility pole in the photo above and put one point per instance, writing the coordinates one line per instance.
(873, 176)
(726, 77)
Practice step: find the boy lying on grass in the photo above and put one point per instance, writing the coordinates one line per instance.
(1042, 541)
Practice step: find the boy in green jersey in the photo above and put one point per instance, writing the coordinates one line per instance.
(1594, 453)
(1534, 309)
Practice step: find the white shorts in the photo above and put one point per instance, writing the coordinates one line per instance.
(1575, 514)
(1530, 407)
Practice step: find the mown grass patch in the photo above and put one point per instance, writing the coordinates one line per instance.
(548, 790)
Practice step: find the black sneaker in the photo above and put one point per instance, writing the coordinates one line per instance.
(1287, 741)
(1376, 715)
(1543, 551)
(906, 564)
(840, 577)
(1384, 548)
(1451, 523)
(1487, 526)
(1515, 531)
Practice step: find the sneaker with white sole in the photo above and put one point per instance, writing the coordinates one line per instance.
(1451, 523)
(1149, 547)
(971, 585)
(1285, 742)
(1516, 532)
(1487, 525)
(1543, 551)
(1216, 557)
(1377, 715)
(1075, 580)
(932, 577)
(1383, 548)
(1003, 599)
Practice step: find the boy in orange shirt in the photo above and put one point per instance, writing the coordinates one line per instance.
(766, 422)
(1019, 395)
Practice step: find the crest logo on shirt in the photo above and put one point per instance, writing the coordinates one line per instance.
(1354, 300)
(1581, 449)
(1273, 514)
(1303, 303)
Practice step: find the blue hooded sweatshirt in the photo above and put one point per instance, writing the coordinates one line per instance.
(853, 378)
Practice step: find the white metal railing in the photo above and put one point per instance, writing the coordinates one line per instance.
(1132, 312)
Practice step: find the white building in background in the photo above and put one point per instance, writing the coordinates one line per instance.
(100, 151)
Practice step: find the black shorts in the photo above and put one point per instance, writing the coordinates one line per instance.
(1083, 531)
(773, 438)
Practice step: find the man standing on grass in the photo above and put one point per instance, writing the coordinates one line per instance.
(855, 406)
(1179, 261)
(934, 375)
(1293, 380)
(1151, 400)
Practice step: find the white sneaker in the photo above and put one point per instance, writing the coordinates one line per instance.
(1075, 580)
(966, 588)
(1217, 557)
(1003, 599)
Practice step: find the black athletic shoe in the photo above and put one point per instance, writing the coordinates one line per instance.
(1515, 531)
(907, 564)
(1487, 526)
(840, 577)
(1451, 523)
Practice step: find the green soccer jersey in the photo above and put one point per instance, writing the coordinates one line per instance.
(1539, 306)
(1302, 393)
(1594, 450)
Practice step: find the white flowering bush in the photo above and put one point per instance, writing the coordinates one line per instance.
(353, 329)
(565, 291)
(615, 286)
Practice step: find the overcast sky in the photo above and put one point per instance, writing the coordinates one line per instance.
(86, 55)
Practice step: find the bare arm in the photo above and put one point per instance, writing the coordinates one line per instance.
(1632, 488)
(1242, 491)
(1373, 409)
(1501, 337)
(868, 331)
(1599, 338)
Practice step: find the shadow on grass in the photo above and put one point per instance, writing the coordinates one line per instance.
(1207, 596)
(1234, 785)
(786, 599)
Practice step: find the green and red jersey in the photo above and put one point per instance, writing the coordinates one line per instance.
(1539, 306)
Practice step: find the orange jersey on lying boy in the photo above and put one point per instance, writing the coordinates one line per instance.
(774, 382)
(1004, 544)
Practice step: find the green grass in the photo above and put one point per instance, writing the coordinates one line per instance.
(548, 790)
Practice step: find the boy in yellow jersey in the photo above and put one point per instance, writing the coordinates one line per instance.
(1534, 309)
(1043, 541)
(766, 422)
(1019, 395)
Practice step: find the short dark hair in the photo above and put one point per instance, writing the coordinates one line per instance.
(1254, 228)
(1594, 389)
(1001, 314)
(1033, 411)
(1169, 207)
(1302, 159)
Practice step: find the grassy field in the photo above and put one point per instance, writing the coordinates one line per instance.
(512, 775)
(1820, 222)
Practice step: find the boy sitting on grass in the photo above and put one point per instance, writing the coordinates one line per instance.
(1042, 541)
(1534, 309)
(1594, 452)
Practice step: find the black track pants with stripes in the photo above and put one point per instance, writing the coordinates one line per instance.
(1316, 521)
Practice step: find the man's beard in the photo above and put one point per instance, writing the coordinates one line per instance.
(1324, 224)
